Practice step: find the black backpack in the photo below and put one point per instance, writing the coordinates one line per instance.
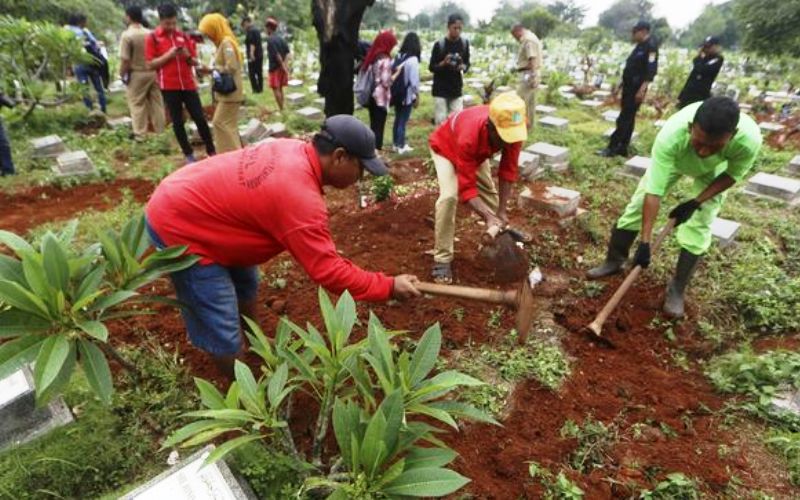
(399, 88)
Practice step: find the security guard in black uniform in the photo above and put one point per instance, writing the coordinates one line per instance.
(706, 68)
(640, 69)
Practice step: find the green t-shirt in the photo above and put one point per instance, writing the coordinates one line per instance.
(674, 156)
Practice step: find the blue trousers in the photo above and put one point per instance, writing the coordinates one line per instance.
(401, 116)
(6, 163)
(90, 74)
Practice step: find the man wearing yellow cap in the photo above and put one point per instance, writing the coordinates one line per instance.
(461, 148)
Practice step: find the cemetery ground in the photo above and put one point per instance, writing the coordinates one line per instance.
(677, 410)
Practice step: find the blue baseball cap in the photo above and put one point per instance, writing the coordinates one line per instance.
(357, 139)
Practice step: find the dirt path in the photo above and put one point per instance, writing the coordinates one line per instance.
(26, 209)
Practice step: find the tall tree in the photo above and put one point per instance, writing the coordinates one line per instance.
(510, 12)
(771, 27)
(623, 14)
(568, 11)
(103, 15)
(439, 17)
(382, 14)
(540, 21)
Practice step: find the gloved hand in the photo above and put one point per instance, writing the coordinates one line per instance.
(684, 211)
(642, 256)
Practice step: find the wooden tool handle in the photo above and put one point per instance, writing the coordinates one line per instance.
(465, 292)
(597, 325)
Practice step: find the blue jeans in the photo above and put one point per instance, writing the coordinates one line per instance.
(210, 296)
(86, 73)
(401, 116)
(6, 163)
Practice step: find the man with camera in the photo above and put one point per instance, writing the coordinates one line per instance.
(449, 61)
(173, 55)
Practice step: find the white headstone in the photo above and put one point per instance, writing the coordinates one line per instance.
(771, 127)
(547, 110)
(74, 163)
(563, 202)
(253, 132)
(122, 122)
(295, 82)
(277, 129)
(724, 230)
(48, 146)
(310, 113)
(794, 166)
(13, 386)
(591, 103)
(611, 115)
(549, 153)
(528, 165)
(554, 122)
(774, 186)
(295, 98)
(637, 166)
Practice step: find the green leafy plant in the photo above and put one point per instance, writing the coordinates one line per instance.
(55, 302)
(787, 444)
(594, 440)
(675, 485)
(555, 486)
(382, 187)
(372, 390)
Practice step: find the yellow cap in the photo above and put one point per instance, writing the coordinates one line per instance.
(507, 112)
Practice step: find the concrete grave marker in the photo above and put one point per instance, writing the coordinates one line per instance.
(277, 129)
(787, 401)
(637, 166)
(554, 122)
(253, 132)
(310, 113)
(20, 419)
(49, 146)
(469, 100)
(774, 186)
(771, 127)
(295, 82)
(425, 88)
(295, 98)
(121, 122)
(554, 158)
(73, 163)
(320, 101)
(724, 230)
(794, 166)
(502, 88)
(591, 103)
(611, 115)
(547, 110)
(528, 165)
(601, 94)
(659, 123)
(562, 202)
(191, 480)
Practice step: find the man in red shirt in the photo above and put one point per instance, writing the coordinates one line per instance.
(461, 148)
(241, 209)
(173, 55)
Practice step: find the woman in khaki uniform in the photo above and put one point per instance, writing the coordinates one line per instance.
(228, 59)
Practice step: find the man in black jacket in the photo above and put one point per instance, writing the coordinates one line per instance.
(705, 69)
(337, 23)
(255, 55)
(449, 61)
(640, 69)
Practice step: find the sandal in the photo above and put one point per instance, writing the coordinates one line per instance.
(442, 273)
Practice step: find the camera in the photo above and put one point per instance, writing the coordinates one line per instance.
(455, 59)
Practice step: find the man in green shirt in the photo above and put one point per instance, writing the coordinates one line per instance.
(710, 142)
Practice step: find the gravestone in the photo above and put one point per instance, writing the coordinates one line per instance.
(48, 147)
(554, 122)
(602, 94)
(659, 123)
(121, 122)
(295, 98)
(636, 166)
(277, 130)
(425, 88)
(312, 89)
(73, 163)
(253, 132)
(774, 186)
(560, 201)
(610, 132)
(116, 87)
(786, 401)
(591, 103)
(611, 115)
(320, 101)
(295, 83)
(724, 230)
(528, 165)
(551, 157)
(745, 107)
(191, 480)
(310, 113)
(568, 95)
(793, 167)
(544, 109)
(503, 88)
(468, 100)
(20, 419)
(771, 127)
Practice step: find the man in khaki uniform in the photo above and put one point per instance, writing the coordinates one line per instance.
(529, 61)
(143, 94)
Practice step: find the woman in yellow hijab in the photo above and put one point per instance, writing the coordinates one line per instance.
(228, 60)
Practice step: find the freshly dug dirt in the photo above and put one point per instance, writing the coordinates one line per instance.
(23, 210)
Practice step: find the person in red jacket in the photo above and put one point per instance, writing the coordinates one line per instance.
(173, 55)
(241, 209)
(461, 148)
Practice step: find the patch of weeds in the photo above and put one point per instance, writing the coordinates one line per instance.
(495, 317)
(674, 486)
(271, 475)
(555, 486)
(594, 440)
(382, 187)
(593, 289)
(667, 430)
(458, 314)
(787, 445)
(679, 358)
(278, 273)
(543, 361)
(490, 398)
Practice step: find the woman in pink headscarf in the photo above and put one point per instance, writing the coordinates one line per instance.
(379, 61)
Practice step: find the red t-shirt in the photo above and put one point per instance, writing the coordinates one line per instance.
(245, 207)
(177, 74)
(464, 140)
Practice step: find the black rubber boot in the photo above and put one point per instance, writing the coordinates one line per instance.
(619, 245)
(674, 299)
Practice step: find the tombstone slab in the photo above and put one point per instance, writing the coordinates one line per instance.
(20, 419)
(122, 122)
(591, 103)
(602, 94)
(636, 166)
(502, 88)
(191, 480)
(253, 132)
(469, 100)
(659, 123)
(529, 165)
(724, 230)
(295, 82)
(544, 109)
(774, 186)
(425, 88)
(771, 127)
(562, 202)
(611, 115)
(48, 146)
(310, 113)
(73, 163)
(549, 154)
(295, 98)
(793, 168)
(554, 122)
(277, 129)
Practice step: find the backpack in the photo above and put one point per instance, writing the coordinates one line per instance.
(399, 87)
(364, 86)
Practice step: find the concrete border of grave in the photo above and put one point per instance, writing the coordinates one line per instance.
(774, 187)
(49, 146)
(725, 231)
(20, 420)
(793, 168)
(636, 166)
(74, 163)
(218, 471)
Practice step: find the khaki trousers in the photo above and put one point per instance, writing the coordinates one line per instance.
(447, 204)
(442, 108)
(145, 102)
(226, 127)
(528, 94)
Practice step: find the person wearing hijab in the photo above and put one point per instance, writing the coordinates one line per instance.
(227, 61)
(379, 61)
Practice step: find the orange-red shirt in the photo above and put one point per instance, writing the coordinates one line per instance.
(245, 207)
(177, 74)
(464, 140)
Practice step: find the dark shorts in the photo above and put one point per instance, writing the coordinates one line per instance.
(210, 295)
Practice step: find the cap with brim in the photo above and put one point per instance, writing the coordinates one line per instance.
(641, 25)
(357, 139)
(710, 41)
(507, 113)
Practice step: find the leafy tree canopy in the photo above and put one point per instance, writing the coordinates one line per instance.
(718, 20)
(103, 15)
(770, 27)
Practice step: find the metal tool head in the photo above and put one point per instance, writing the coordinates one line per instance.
(526, 304)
